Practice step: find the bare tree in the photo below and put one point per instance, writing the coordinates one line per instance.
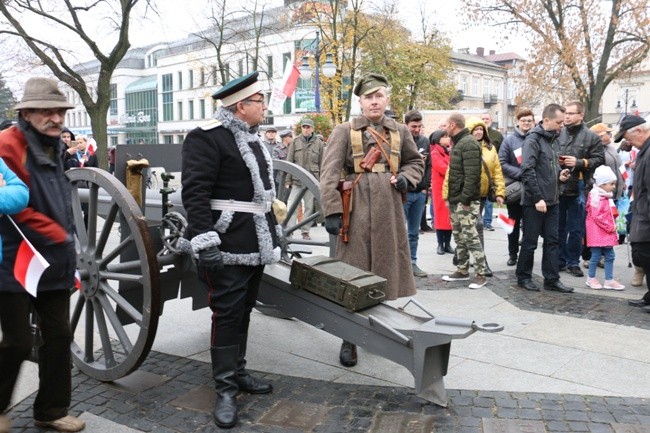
(76, 20)
(581, 45)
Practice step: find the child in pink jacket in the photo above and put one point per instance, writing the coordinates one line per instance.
(601, 228)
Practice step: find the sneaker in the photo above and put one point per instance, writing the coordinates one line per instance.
(593, 283)
(585, 264)
(66, 424)
(479, 281)
(613, 285)
(417, 272)
(575, 271)
(457, 276)
(488, 228)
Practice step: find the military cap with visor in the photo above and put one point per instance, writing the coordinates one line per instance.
(239, 89)
(370, 83)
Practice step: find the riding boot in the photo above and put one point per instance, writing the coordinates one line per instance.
(441, 250)
(224, 372)
(448, 249)
(488, 271)
(246, 381)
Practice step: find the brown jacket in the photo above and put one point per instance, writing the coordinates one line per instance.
(378, 240)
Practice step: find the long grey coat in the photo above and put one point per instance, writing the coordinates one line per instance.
(378, 239)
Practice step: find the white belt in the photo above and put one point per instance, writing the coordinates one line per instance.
(240, 206)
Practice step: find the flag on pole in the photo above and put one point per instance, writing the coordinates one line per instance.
(29, 265)
(285, 89)
(507, 224)
(623, 171)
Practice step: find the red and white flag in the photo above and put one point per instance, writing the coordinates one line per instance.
(29, 265)
(507, 224)
(285, 89)
(518, 155)
(623, 171)
(77, 280)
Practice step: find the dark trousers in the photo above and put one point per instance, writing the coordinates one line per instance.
(232, 292)
(54, 358)
(571, 228)
(536, 224)
(641, 258)
(515, 212)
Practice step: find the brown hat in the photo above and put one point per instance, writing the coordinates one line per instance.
(599, 128)
(370, 83)
(42, 92)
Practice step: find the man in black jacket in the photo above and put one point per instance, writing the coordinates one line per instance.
(227, 192)
(581, 151)
(540, 172)
(416, 200)
(637, 132)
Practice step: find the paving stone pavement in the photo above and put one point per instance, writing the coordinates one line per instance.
(174, 394)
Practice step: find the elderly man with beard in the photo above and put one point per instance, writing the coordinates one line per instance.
(228, 189)
(33, 150)
(378, 241)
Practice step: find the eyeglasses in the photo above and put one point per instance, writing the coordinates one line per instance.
(259, 101)
(570, 113)
(47, 112)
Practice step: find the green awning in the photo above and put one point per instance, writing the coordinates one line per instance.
(143, 84)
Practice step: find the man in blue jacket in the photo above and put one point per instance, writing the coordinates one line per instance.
(540, 172)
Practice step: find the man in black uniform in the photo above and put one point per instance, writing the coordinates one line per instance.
(227, 193)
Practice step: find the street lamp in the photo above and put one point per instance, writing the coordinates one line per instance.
(626, 99)
(329, 69)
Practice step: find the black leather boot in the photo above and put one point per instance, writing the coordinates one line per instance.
(488, 271)
(246, 381)
(224, 372)
(441, 250)
(449, 249)
(348, 354)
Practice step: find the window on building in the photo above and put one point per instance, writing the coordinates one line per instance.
(202, 77)
(228, 76)
(214, 76)
(463, 84)
(180, 80)
(240, 68)
(496, 88)
(486, 86)
(475, 86)
(202, 108)
(190, 108)
(113, 107)
(180, 138)
(190, 79)
(179, 110)
(269, 66)
(168, 139)
(167, 97)
(113, 139)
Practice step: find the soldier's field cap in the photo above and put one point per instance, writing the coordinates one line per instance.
(628, 122)
(271, 129)
(42, 93)
(307, 122)
(239, 89)
(369, 83)
(285, 133)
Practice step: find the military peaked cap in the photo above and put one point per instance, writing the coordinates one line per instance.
(239, 89)
(370, 83)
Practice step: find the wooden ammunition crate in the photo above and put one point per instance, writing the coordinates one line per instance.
(338, 282)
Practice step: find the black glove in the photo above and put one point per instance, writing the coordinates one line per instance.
(333, 224)
(210, 258)
(402, 184)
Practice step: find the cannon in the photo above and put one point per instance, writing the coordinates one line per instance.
(129, 264)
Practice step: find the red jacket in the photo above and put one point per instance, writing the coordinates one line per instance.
(47, 221)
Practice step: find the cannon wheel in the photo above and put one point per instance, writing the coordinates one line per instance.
(295, 246)
(103, 347)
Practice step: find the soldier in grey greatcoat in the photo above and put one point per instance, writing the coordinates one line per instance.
(377, 235)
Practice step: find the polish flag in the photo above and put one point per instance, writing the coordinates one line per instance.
(623, 172)
(613, 207)
(29, 267)
(92, 146)
(77, 280)
(507, 224)
(518, 155)
(285, 89)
